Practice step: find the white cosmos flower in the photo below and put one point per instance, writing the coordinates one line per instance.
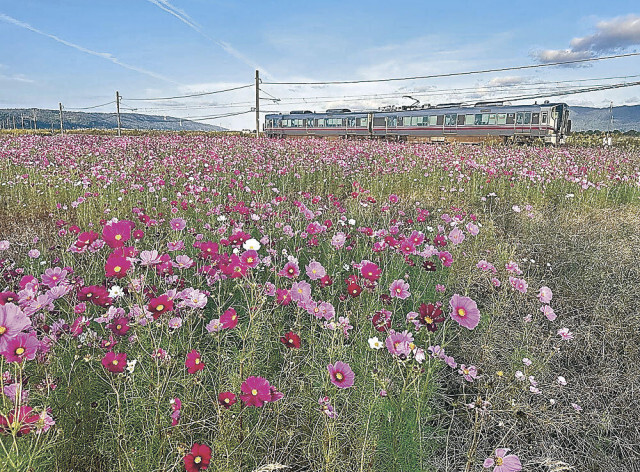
(116, 292)
(352, 222)
(131, 365)
(251, 245)
(375, 343)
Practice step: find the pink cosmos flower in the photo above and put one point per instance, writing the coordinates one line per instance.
(341, 374)
(399, 344)
(315, 270)
(178, 224)
(518, 284)
(300, 291)
(464, 311)
(12, 322)
(473, 229)
(456, 236)
(370, 271)
(565, 334)
(468, 372)
(52, 277)
(502, 462)
(290, 270)
(548, 312)
(399, 289)
(338, 240)
(250, 258)
(446, 258)
(116, 266)
(495, 282)
(116, 234)
(256, 391)
(545, 295)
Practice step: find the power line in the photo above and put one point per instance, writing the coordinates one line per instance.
(193, 94)
(94, 106)
(453, 74)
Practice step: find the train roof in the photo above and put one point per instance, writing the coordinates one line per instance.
(435, 110)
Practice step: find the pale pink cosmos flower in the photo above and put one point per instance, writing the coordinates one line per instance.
(548, 312)
(399, 289)
(464, 311)
(518, 284)
(338, 240)
(473, 229)
(440, 288)
(565, 334)
(300, 291)
(545, 295)
(315, 270)
(468, 372)
(4, 245)
(495, 282)
(341, 374)
(178, 224)
(526, 361)
(456, 236)
(503, 462)
(512, 267)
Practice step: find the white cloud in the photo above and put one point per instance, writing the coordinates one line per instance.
(507, 80)
(612, 35)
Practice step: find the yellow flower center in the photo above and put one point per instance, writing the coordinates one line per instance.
(339, 376)
(254, 392)
(3, 329)
(119, 326)
(114, 362)
(466, 371)
(118, 237)
(499, 461)
(197, 459)
(290, 340)
(117, 269)
(461, 312)
(160, 308)
(19, 351)
(428, 320)
(197, 361)
(249, 260)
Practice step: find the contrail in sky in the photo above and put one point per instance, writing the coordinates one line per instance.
(104, 55)
(187, 20)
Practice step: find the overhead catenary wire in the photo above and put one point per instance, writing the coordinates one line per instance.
(454, 74)
(91, 107)
(200, 94)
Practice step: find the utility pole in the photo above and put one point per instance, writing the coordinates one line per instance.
(13, 118)
(35, 120)
(118, 109)
(22, 118)
(61, 123)
(257, 103)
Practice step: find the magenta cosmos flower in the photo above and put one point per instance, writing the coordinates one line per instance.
(194, 362)
(502, 462)
(341, 374)
(256, 391)
(22, 346)
(399, 289)
(464, 311)
(12, 322)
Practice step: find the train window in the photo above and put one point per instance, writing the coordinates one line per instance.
(527, 118)
(320, 123)
(392, 121)
(520, 118)
(492, 119)
(286, 123)
(481, 119)
(401, 121)
(433, 120)
(439, 120)
(351, 122)
(501, 118)
(450, 119)
(461, 120)
(535, 118)
(379, 121)
(469, 119)
(309, 122)
(544, 117)
(511, 118)
(362, 122)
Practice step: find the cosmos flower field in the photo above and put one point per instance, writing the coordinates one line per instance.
(174, 303)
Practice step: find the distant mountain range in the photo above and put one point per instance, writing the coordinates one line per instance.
(625, 118)
(45, 119)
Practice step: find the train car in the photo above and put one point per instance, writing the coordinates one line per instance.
(442, 123)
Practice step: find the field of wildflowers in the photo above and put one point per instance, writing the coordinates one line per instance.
(236, 304)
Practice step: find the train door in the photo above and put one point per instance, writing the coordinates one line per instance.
(450, 123)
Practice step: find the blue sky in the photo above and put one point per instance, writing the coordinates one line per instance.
(80, 52)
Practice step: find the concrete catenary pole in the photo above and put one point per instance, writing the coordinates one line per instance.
(61, 122)
(257, 103)
(118, 110)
